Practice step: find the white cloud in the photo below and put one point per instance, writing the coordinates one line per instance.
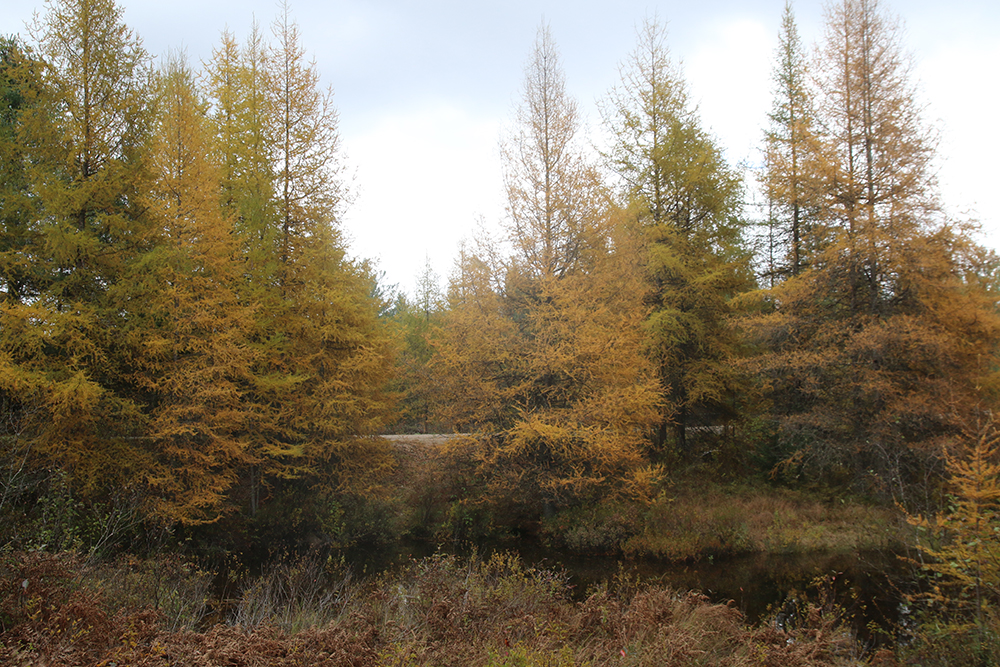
(959, 80)
(424, 179)
(728, 74)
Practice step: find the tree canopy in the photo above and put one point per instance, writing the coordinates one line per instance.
(877, 351)
(181, 319)
(179, 314)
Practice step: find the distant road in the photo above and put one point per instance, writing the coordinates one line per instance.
(422, 438)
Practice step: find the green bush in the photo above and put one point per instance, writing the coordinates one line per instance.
(602, 527)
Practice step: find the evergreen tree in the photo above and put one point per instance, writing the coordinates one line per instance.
(195, 364)
(876, 352)
(686, 201)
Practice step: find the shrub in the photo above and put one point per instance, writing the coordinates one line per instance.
(600, 527)
(295, 594)
(176, 589)
(437, 611)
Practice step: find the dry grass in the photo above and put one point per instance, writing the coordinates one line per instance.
(296, 594)
(438, 611)
(725, 520)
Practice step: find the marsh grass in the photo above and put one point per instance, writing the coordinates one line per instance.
(295, 593)
(712, 520)
(441, 610)
(441, 496)
(177, 590)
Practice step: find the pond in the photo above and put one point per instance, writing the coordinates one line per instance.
(868, 587)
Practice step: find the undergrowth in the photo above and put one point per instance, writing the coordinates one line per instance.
(441, 496)
(698, 520)
(440, 610)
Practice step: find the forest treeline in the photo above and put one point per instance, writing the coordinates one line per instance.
(181, 327)
(185, 339)
(637, 316)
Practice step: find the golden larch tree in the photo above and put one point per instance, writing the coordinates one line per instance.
(86, 134)
(875, 353)
(791, 149)
(686, 202)
(542, 343)
(195, 364)
(322, 356)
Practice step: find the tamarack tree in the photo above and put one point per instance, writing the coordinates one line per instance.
(960, 546)
(875, 351)
(194, 369)
(179, 319)
(541, 348)
(81, 134)
(685, 202)
(791, 149)
(322, 357)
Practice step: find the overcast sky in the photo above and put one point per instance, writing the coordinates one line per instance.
(425, 88)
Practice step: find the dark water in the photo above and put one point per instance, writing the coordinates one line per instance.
(867, 587)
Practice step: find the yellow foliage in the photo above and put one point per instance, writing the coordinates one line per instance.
(555, 372)
(543, 349)
(962, 546)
